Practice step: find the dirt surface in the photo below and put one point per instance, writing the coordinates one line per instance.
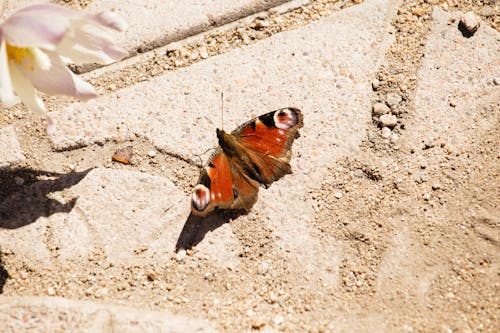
(439, 204)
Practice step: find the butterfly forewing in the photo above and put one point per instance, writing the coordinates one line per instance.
(223, 185)
(271, 133)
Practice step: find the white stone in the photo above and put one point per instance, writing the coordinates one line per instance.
(393, 100)
(380, 109)
(388, 120)
(386, 132)
(180, 255)
(394, 137)
(470, 21)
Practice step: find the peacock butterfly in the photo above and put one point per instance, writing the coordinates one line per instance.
(256, 153)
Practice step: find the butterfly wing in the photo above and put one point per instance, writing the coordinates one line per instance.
(268, 140)
(257, 152)
(224, 185)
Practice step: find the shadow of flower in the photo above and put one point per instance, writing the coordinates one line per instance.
(23, 204)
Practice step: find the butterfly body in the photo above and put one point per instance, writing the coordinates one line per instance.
(256, 153)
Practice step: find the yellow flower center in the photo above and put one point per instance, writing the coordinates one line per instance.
(16, 53)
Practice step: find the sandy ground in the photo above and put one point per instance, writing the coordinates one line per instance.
(438, 204)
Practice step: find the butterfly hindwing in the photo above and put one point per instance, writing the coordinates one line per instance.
(223, 185)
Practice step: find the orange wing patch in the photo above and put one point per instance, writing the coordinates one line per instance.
(271, 133)
(221, 186)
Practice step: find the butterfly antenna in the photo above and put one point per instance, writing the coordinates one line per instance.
(222, 110)
(200, 166)
(199, 156)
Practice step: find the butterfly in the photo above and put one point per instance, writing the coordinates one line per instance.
(257, 153)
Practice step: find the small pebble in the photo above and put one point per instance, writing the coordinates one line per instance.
(394, 137)
(278, 320)
(407, 328)
(152, 276)
(388, 120)
(151, 153)
(338, 194)
(123, 155)
(496, 81)
(470, 22)
(140, 249)
(203, 53)
(380, 109)
(172, 47)
(359, 173)
(258, 323)
(179, 256)
(194, 55)
(263, 268)
(436, 186)
(426, 196)
(371, 137)
(487, 11)
(185, 53)
(101, 292)
(421, 178)
(273, 298)
(393, 100)
(71, 167)
(429, 143)
(375, 84)
(51, 291)
(386, 132)
(261, 24)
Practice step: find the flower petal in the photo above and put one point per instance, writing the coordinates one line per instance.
(58, 79)
(26, 91)
(110, 20)
(38, 26)
(29, 96)
(7, 96)
(87, 44)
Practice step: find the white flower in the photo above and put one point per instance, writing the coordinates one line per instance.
(38, 41)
